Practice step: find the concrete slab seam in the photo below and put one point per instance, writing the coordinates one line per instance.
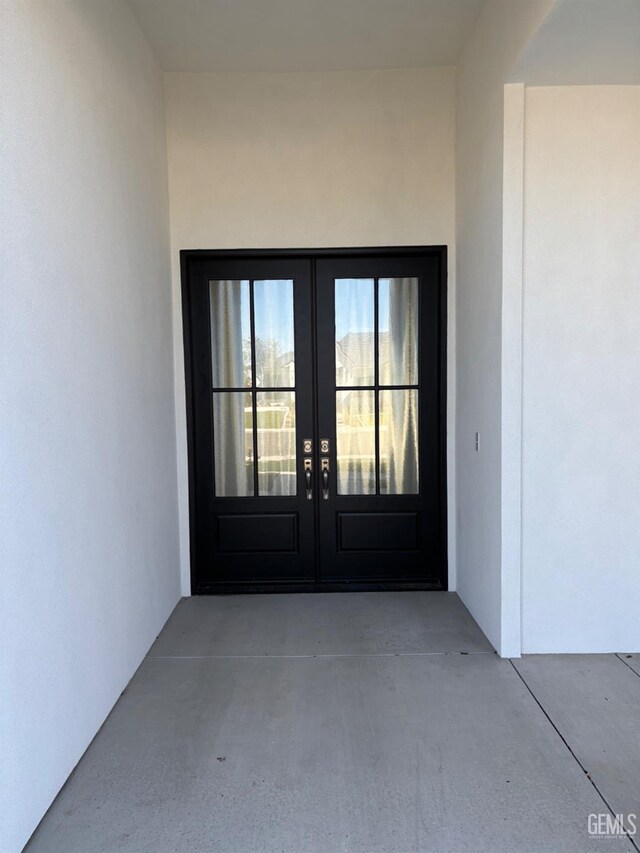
(575, 757)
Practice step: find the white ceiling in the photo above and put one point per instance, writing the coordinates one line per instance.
(583, 42)
(305, 35)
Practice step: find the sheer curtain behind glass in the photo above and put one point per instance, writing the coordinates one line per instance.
(231, 368)
(355, 366)
(398, 419)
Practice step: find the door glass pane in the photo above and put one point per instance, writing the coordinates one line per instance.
(230, 334)
(398, 442)
(356, 444)
(276, 417)
(398, 331)
(233, 444)
(273, 312)
(354, 331)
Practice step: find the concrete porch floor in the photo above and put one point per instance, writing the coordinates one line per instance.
(370, 722)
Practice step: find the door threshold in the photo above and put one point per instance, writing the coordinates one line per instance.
(311, 586)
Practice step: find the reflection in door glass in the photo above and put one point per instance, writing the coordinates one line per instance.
(398, 331)
(233, 444)
(230, 334)
(276, 418)
(275, 353)
(355, 442)
(354, 318)
(398, 424)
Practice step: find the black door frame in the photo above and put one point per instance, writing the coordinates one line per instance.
(187, 258)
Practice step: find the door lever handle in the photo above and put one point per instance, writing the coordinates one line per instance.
(324, 467)
(308, 474)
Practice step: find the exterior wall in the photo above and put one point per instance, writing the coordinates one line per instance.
(581, 370)
(503, 29)
(309, 160)
(89, 516)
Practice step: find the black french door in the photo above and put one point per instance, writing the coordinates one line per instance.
(316, 418)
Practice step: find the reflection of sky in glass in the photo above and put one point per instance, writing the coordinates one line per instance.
(383, 305)
(246, 316)
(353, 310)
(354, 306)
(273, 312)
(267, 313)
(361, 292)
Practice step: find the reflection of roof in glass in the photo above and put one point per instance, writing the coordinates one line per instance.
(355, 349)
(286, 358)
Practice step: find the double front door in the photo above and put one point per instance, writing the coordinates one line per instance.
(315, 391)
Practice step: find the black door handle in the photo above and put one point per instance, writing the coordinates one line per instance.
(324, 465)
(308, 475)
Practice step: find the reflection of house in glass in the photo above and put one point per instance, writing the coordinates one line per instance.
(273, 369)
(355, 358)
(287, 370)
